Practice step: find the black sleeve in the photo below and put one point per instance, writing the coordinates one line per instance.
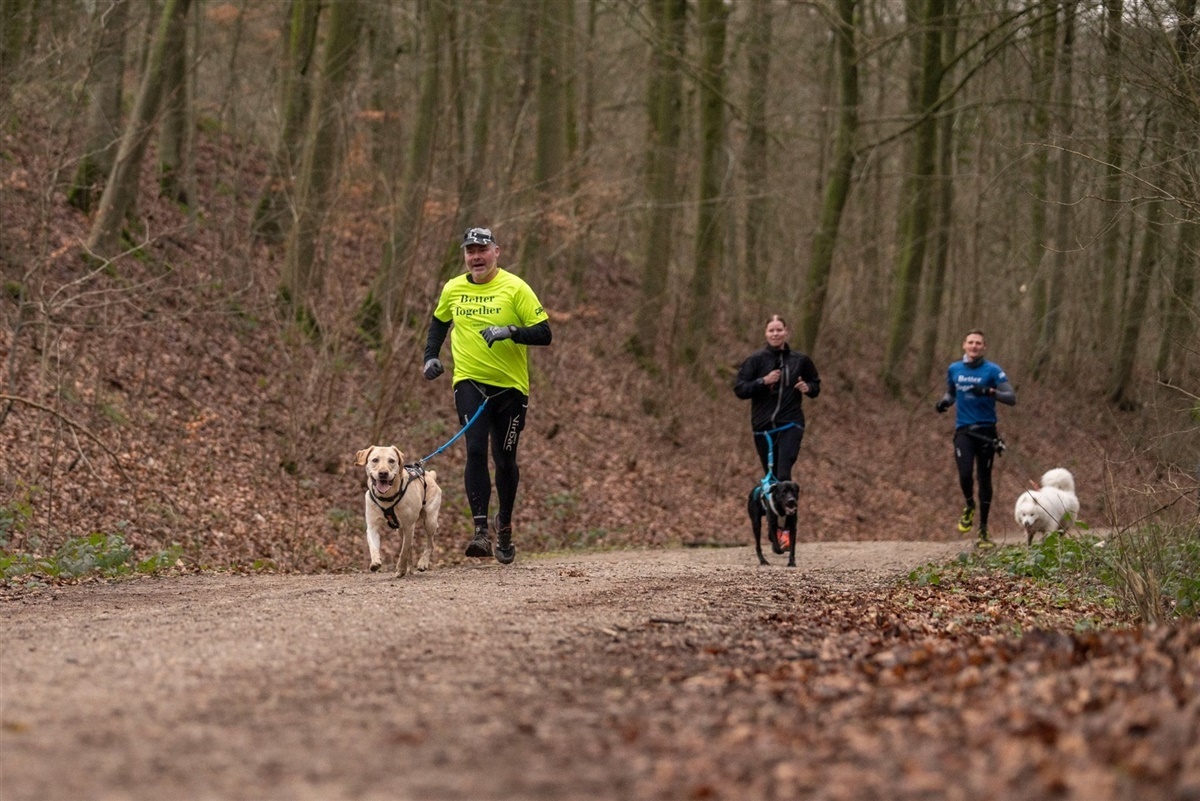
(749, 382)
(437, 335)
(1005, 393)
(532, 335)
(808, 371)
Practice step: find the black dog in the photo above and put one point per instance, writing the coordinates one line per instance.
(778, 502)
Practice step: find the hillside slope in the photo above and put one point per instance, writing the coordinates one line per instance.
(163, 397)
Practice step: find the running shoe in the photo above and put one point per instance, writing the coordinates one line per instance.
(967, 519)
(785, 539)
(505, 550)
(481, 545)
(984, 542)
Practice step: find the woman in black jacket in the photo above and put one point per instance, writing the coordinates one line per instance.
(775, 380)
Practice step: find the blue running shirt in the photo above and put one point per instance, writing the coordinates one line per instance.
(973, 410)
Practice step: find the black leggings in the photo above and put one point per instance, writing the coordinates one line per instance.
(786, 444)
(973, 450)
(501, 424)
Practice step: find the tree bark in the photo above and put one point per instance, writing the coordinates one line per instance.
(105, 88)
(914, 222)
(176, 115)
(1114, 133)
(664, 101)
(1120, 393)
(401, 249)
(1039, 179)
(1179, 311)
(383, 117)
(551, 143)
(120, 192)
(935, 286)
(710, 218)
(841, 175)
(274, 214)
(303, 274)
(756, 154)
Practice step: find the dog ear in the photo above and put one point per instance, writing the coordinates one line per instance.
(360, 458)
(399, 454)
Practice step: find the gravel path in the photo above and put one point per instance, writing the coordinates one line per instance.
(547, 679)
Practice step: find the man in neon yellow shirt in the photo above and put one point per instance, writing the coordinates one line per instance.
(492, 317)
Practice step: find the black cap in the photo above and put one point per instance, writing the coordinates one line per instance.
(478, 236)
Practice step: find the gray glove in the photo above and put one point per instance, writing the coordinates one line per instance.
(981, 391)
(495, 333)
(433, 368)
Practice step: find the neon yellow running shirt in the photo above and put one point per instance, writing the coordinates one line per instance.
(505, 300)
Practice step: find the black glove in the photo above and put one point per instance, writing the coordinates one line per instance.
(433, 368)
(981, 391)
(942, 405)
(495, 333)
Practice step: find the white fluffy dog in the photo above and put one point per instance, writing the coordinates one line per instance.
(1045, 507)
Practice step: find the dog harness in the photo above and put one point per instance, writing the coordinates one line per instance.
(414, 472)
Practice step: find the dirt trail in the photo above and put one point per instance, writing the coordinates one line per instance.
(554, 678)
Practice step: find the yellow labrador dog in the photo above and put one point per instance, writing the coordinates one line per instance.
(398, 497)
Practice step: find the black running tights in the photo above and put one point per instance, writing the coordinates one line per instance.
(973, 452)
(500, 425)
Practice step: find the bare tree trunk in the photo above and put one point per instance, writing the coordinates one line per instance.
(120, 192)
(1178, 317)
(550, 155)
(755, 156)
(664, 101)
(15, 23)
(914, 224)
(401, 250)
(383, 118)
(1114, 132)
(104, 87)
(273, 215)
(176, 115)
(303, 274)
(473, 194)
(1059, 277)
(1120, 392)
(710, 218)
(935, 287)
(1039, 180)
(820, 266)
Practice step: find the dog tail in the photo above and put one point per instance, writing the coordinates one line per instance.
(1059, 478)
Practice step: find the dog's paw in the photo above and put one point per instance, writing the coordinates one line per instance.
(423, 563)
(375, 566)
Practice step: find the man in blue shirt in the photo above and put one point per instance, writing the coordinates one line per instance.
(975, 384)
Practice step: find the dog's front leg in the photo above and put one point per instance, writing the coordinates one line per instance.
(404, 563)
(791, 526)
(756, 527)
(373, 542)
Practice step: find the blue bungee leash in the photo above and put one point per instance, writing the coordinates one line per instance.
(461, 431)
(768, 481)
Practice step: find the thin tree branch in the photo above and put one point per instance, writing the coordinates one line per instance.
(11, 399)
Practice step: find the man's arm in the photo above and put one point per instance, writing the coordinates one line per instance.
(435, 338)
(1004, 393)
(539, 334)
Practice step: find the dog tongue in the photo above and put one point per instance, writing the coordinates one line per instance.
(382, 486)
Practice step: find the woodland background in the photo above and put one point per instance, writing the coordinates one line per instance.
(224, 225)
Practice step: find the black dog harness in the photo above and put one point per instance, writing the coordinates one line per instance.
(767, 498)
(414, 471)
